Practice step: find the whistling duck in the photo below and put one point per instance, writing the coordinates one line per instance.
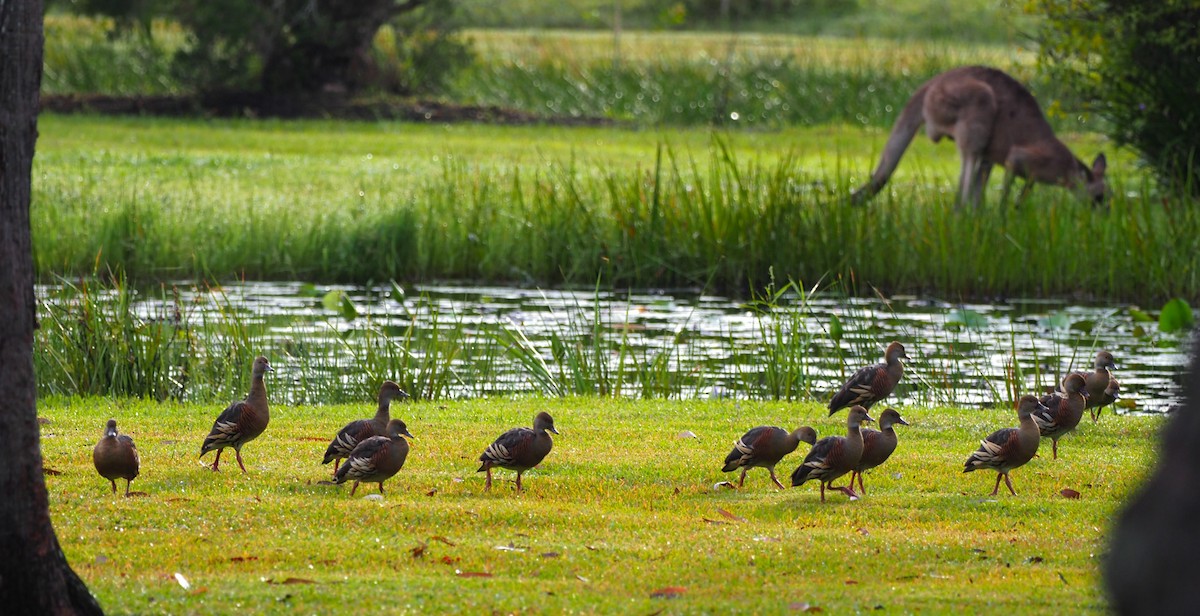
(873, 383)
(765, 446)
(1098, 384)
(116, 457)
(357, 431)
(519, 449)
(377, 458)
(1009, 448)
(834, 456)
(878, 445)
(1064, 409)
(242, 421)
(1111, 394)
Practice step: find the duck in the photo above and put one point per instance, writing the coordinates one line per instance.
(359, 430)
(1009, 448)
(1098, 382)
(1111, 394)
(116, 457)
(1064, 409)
(872, 383)
(377, 458)
(834, 456)
(765, 446)
(242, 421)
(878, 445)
(519, 449)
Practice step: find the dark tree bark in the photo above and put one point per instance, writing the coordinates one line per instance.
(325, 44)
(34, 575)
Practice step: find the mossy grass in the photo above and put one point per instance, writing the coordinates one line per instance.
(623, 507)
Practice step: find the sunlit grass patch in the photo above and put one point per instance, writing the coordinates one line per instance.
(622, 508)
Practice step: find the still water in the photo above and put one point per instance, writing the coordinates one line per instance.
(692, 345)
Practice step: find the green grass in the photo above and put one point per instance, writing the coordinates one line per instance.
(371, 202)
(622, 507)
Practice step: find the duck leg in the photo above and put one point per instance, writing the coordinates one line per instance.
(114, 485)
(336, 462)
(381, 487)
(488, 486)
(773, 478)
(127, 482)
(1055, 443)
(743, 477)
(996, 490)
(1008, 482)
(518, 481)
(238, 452)
(353, 489)
(216, 465)
(822, 491)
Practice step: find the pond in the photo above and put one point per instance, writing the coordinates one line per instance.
(334, 343)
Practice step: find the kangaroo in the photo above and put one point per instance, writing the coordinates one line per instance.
(994, 120)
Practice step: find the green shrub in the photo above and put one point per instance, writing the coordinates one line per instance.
(1136, 63)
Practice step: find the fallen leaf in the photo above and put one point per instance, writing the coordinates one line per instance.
(1034, 559)
(442, 539)
(178, 499)
(1069, 493)
(291, 580)
(472, 574)
(591, 547)
(431, 492)
(242, 559)
(735, 518)
(864, 532)
(668, 592)
(182, 581)
(446, 560)
(688, 434)
(46, 470)
(312, 438)
(582, 579)
(804, 607)
(42, 421)
(419, 550)
(724, 484)
(549, 554)
(851, 582)
(711, 521)
(137, 494)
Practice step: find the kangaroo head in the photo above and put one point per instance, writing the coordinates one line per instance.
(1093, 179)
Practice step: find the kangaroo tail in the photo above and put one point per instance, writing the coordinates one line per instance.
(902, 134)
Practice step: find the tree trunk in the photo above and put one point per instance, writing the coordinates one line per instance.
(34, 575)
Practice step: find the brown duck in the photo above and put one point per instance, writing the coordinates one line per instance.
(873, 383)
(1098, 384)
(357, 431)
(519, 449)
(834, 456)
(1009, 448)
(242, 421)
(1064, 409)
(765, 446)
(116, 457)
(878, 445)
(377, 458)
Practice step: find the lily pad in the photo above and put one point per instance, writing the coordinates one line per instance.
(967, 318)
(1176, 315)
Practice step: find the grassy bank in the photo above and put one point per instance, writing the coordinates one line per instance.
(621, 509)
(170, 199)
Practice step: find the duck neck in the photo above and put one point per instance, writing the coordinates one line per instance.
(384, 413)
(258, 392)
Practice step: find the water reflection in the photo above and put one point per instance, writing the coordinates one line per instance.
(708, 346)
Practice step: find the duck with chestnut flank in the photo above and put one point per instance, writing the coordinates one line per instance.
(519, 449)
(242, 421)
(1098, 384)
(377, 458)
(878, 445)
(116, 457)
(360, 430)
(765, 446)
(873, 383)
(1009, 448)
(834, 456)
(1064, 409)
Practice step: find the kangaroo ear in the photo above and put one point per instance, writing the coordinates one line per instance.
(1100, 164)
